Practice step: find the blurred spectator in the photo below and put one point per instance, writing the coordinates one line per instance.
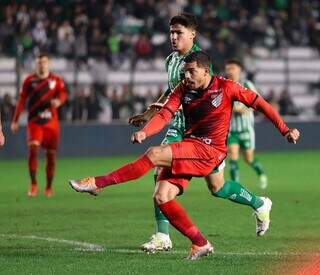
(142, 47)
(286, 105)
(79, 106)
(93, 106)
(317, 107)
(65, 39)
(6, 108)
(272, 99)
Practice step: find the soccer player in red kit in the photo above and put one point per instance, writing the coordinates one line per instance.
(45, 93)
(207, 105)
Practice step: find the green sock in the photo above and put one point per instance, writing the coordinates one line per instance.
(235, 192)
(234, 170)
(256, 165)
(162, 222)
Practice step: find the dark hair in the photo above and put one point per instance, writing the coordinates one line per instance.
(234, 61)
(41, 55)
(185, 19)
(200, 57)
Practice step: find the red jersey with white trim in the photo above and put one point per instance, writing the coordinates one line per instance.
(38, 92)
(208, 112)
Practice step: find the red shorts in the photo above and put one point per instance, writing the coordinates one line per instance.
(190, 158)
(46, 134)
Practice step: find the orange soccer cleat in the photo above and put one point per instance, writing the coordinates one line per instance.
(33, 190)
(196, 252)
(87, 185)
(48, 192)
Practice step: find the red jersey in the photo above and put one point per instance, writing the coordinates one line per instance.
(208, 112)
(39, 93)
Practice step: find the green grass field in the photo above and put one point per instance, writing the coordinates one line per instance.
(38, 236)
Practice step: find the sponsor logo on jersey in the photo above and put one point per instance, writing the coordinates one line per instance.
(186, 100)
(217, 99)
(52, 84)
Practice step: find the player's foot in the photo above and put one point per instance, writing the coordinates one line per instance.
(158, 242)
(33, 190)
(197, 252)
(48, 192)
(262, 215)
(87, 185)
(263, 181)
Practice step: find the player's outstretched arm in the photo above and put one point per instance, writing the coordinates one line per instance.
(141, 119)
(251, 99)
(2, 139)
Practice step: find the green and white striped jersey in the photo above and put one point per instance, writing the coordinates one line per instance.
(243, 122)
(174, 68)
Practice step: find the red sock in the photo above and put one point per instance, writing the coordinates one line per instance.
(33, 162)
(127, 172)
(178, 217)
(50, 167)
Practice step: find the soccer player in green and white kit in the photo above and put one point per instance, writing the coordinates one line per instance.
(241, 135)
(183, 29)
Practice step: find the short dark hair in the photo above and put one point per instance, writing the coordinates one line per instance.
(185, 19)
(200, 57)
(41, 55)
(234, 61)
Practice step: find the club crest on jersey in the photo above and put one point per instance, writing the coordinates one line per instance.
(52, 84)
(186, 100)
(216, 99)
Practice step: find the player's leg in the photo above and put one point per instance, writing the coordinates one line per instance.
(50, 169)
(237, 193)
(233, 153)
(155, 156)
(161, 239)
(248, 146)
(33, 151)
(164, 196)
(50, 143)
(34, 140)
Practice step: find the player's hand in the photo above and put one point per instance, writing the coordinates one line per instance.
(138, 120)
(2, 139)
(293, 135)
(14, 127)
(138, 137)
(55, 103)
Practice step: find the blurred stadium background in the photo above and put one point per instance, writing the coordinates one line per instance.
(111, 53)
(111, 56)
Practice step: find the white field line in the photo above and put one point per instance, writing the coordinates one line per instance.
(85, 246)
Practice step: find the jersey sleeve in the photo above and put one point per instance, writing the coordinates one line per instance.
(21, 100)
(61, 91)
(158, 122)
(253, 100)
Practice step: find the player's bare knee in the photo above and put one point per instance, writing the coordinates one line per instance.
(154, 154)
(160, 198)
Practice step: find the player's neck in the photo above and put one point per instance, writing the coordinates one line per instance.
(207, 83)
(42, 75)
(186, 50)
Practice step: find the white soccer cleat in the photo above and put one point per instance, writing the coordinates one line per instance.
(85, 185)
(196, 252)
(158, 242)
(263, 181)
(262, 215)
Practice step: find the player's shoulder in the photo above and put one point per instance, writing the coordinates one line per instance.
(169, 57)
(249, 85)
(55, 76)
(30, 77)
(225, 82)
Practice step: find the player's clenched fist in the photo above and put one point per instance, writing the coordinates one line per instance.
(138, 137)
(293, 135)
